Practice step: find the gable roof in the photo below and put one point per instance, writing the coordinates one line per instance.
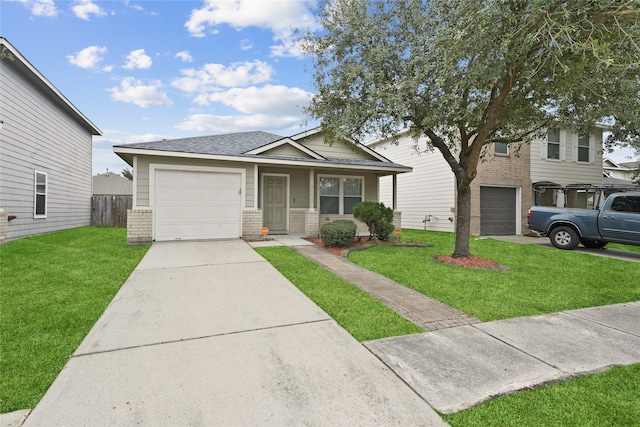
(258, 147)
(26, 68)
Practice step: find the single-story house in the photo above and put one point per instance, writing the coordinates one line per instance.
(112, 184)
(234, 185)
(45, 153)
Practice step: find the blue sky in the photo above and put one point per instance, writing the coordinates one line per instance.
(147, 70)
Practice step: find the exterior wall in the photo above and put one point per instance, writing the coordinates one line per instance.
(37, 134)
(142, 180)
(428, 190)
(3, 225)
(567, 171)
(252, 222)
(510, 170)
(335, 151)
(139, 226)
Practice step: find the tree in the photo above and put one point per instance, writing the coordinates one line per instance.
(127, 173)
(466, 73)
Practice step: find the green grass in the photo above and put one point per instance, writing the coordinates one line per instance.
(618, 246)
(538, 280)
(363, 316)
(53, 289)
(611, 398)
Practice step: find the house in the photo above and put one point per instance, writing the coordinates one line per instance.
(45, 153)
(560, 169)
(233, 185)
(112, 184)
(624, 170)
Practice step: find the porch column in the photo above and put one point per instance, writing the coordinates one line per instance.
(395, 191)
(312, 192)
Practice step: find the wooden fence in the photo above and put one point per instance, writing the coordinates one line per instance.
(110, 211)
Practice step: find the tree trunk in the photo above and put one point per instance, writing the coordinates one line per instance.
(463, 218)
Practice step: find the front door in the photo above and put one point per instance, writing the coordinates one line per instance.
(275, 202)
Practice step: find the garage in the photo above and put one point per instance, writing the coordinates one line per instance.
(498, 211)
(196, 204)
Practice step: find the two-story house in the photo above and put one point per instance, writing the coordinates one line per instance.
(45, 153)
(561, 169)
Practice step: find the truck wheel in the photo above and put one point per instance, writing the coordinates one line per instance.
(564, 237)
(595, 244)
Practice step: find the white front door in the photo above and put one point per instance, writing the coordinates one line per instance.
(195, 205)
(275, 202)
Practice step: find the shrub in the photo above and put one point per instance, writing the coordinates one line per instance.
(378, 218)
(339, 233)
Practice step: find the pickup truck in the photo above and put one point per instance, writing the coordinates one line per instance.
(617, 221)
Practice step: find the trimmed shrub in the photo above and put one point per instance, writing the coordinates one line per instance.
(339, 233)
(378, 218)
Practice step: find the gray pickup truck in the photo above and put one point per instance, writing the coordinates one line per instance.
(617, 221)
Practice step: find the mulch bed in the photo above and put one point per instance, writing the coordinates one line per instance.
(360, 244)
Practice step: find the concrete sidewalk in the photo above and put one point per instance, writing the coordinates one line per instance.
(209, 333)
(454, 369)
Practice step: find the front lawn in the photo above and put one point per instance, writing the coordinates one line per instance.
(363, 316)
(538, 280)
(53, 289)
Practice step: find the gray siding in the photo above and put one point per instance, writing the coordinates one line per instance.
(335, 151)
(37, 134)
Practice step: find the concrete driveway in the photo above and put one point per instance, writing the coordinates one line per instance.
(209, 333)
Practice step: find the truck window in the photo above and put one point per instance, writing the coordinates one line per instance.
(626, 204)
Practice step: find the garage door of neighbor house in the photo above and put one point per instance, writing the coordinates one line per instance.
(195, 205)
(497, 211)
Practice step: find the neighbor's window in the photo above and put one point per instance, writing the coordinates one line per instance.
(553, 144)
(40, 195)
(338, 195)
(501, 148)
(583, 148)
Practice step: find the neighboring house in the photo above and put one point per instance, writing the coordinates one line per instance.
(112, 184)
(226, 186)
(623, 170)
(557, 170)
(45, 153)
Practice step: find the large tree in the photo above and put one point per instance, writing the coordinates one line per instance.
(466, 73)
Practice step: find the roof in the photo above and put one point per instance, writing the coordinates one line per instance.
(27, 67)
(255, 147)
(111, 184)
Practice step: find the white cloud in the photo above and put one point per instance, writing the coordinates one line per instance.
(185, 56)
(279, 16)
(269, 99)
(83, 8)
(143, 95)
(41, 7)
(89, 57)
(245, 44)
(227, 124)
(138, 59)
(213, 76)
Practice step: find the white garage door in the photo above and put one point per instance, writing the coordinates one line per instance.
(191, 205)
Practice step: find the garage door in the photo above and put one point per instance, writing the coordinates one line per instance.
(497, 211)
(191, 205)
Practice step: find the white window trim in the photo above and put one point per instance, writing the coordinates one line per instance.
(341, 191)
(35, 193)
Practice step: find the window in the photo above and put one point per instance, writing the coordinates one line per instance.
(583, 148)
(553, 144)
(626, 204)
(501, 148)
(40, 195)
(338, 195)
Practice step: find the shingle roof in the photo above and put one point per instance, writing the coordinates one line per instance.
(231, 144)
(111, 184)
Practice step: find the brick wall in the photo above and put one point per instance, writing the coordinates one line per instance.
(139, 226)
(251, 223)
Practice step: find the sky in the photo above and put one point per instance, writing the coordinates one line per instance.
(146, 70)
(150, 70)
